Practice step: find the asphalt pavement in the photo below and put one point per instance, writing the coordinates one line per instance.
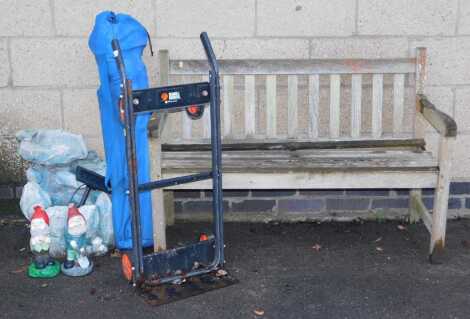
(329, 270)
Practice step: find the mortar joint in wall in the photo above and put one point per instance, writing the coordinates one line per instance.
(10, 66)
(62, 115)
(356, 19)
(457, 20)
(154, 17)
(255, 29)
(52, 9)
(454, 100)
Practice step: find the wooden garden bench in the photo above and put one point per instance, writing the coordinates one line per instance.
(312, 124)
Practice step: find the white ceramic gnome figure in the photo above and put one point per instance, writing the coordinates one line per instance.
(77, 262)
(40, 238)
(43, 266)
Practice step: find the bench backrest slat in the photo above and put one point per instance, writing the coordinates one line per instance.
(313, 105)
(271, 106)
(337, 99)
(292, 97)
(398, 103)
(297, 67)
(377, 104)
(206, 118)
(420, 124)
(250, 105)
(186, 122)
(335, 95)
(356, 105)
(227, 104)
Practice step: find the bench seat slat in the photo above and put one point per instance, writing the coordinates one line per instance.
(351, 179)
(296, 145)
(344, 153)
(305, 161)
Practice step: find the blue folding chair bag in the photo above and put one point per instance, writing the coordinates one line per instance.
(133, 38)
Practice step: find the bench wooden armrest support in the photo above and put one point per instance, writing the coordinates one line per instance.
(447, 128)
(442, 122)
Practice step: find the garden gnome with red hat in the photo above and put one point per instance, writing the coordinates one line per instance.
(77, 262)
(43, 266)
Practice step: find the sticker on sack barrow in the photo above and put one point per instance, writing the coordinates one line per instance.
(173, 97)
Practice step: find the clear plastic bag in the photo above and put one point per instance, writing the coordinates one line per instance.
(33, 195)
(103, 203)
(58, 181)
(57, 224)
(54, 156)
(51, 147)
(92, 217)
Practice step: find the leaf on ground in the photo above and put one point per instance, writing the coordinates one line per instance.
(316, 247)
(116, 254)
(221, 273)
(378, 248)
(19, 270)
(258, 312)
(401, 227)
(9, 221)
(466, 243)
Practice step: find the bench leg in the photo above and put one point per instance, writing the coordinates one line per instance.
(439, 218)
(169, 207)
(158, 207)
(441, 198)
(415, 194)
(159, 221)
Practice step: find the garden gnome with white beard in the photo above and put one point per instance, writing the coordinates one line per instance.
(77, 262)
(43, 266)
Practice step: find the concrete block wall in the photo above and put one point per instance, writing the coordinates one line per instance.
(48, 76)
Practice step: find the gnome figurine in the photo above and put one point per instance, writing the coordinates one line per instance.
(77, 262)
(43, 266)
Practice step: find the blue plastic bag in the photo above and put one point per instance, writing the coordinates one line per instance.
(132, 38)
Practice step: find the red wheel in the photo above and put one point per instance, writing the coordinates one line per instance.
(195, 112)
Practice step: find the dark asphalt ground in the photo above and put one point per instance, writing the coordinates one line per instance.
(362, 270)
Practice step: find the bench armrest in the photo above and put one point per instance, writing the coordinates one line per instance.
(442, 122)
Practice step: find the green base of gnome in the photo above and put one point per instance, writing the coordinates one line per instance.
(50, 271)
